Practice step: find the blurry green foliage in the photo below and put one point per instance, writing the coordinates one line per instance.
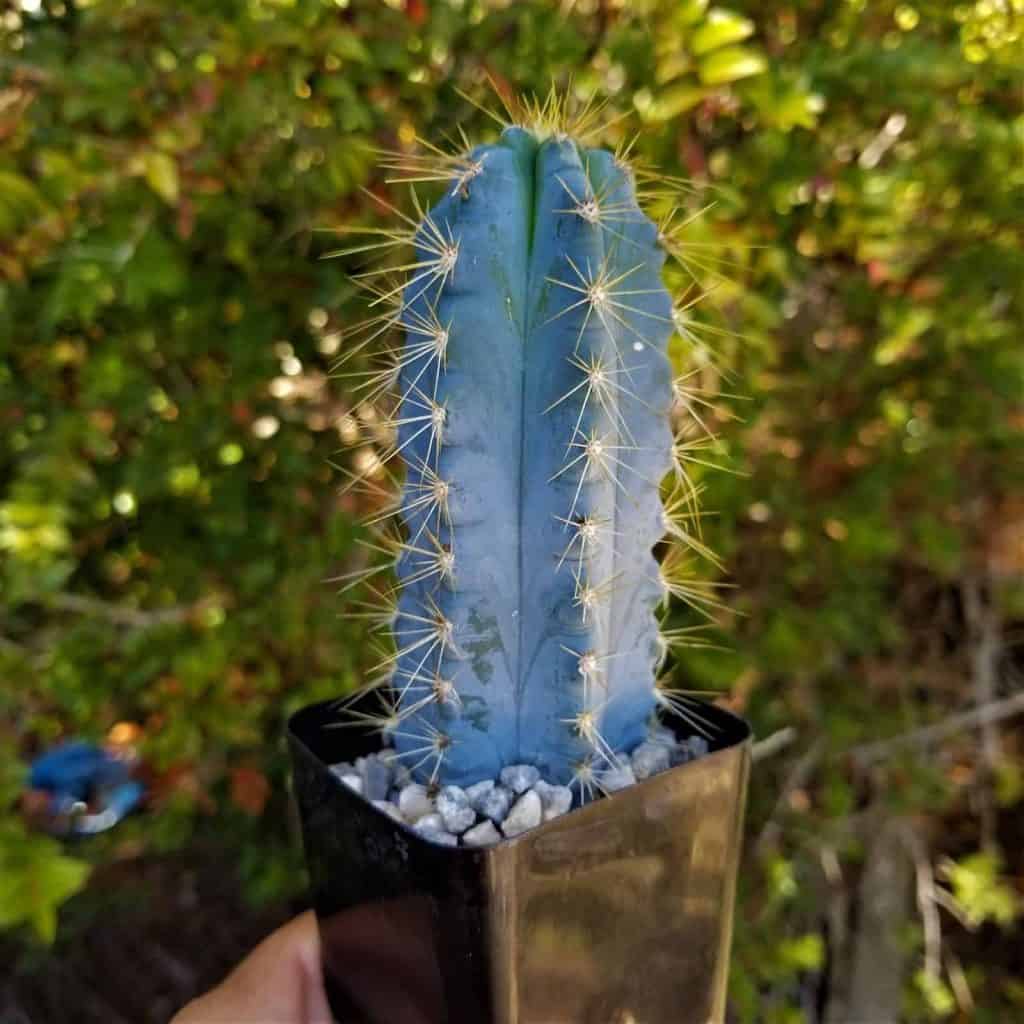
(35, 879)
(36, 876)
(168, 511)
(981, 891)
(936, 995)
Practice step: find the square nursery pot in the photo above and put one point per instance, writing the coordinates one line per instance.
(619, 912)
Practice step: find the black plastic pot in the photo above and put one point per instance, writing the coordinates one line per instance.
(617, 913)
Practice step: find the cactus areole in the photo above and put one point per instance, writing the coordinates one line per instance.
(534, 427)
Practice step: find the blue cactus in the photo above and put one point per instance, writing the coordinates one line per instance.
(533, 423)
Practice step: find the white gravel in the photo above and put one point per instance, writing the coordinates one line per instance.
(414, 802)
(377, 774)
(495, 804)
(435, 835)
(390, 809)
(527, 813)
(520, 777)
(453, 806)
(554, 800)
(650, 758)
(615, 779)
(484, 834)
(477, 792)
(483, 813)
(432, 822)
(354, 782)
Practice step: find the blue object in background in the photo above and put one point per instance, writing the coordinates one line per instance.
(90, 789)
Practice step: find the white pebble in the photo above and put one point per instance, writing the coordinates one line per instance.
(650, 758)
(519, 777)
(555, 800)
(376, 774)
(476, 793)
(430, 823)
(354, 782)
(435, 835)
(679, 754)
(662, 735)
(698, 746)
(495, 804)
(453, 806)
(389, 809)
(484, 834)
(526, 814)
(615, 779)
(414, 802)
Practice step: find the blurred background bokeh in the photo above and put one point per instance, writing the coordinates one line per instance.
(169, 427)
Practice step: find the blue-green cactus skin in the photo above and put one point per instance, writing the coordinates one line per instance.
(537, 641)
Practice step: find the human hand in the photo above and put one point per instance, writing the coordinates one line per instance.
(279, 982)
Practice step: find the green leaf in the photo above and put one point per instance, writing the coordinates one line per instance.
(730, 65)
(908, 327)
(690, 11)
(936, 994)
(1009, 782)
(981, 891)
(806, 953)
(154, 268)
(720, 29)
(675, 100)
(35, 879)
(161, 172)
(785, 101)
(20, 201)
(349, 46)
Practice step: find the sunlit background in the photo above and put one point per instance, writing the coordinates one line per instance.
(173, 441)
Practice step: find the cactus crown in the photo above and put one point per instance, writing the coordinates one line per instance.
(532, 411)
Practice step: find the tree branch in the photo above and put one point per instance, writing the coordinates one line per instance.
(122, 615)
(983, 627)
(771, 745)
(987, 714)
(798, 776)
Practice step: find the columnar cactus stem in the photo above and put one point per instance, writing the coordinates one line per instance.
(533, 422)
